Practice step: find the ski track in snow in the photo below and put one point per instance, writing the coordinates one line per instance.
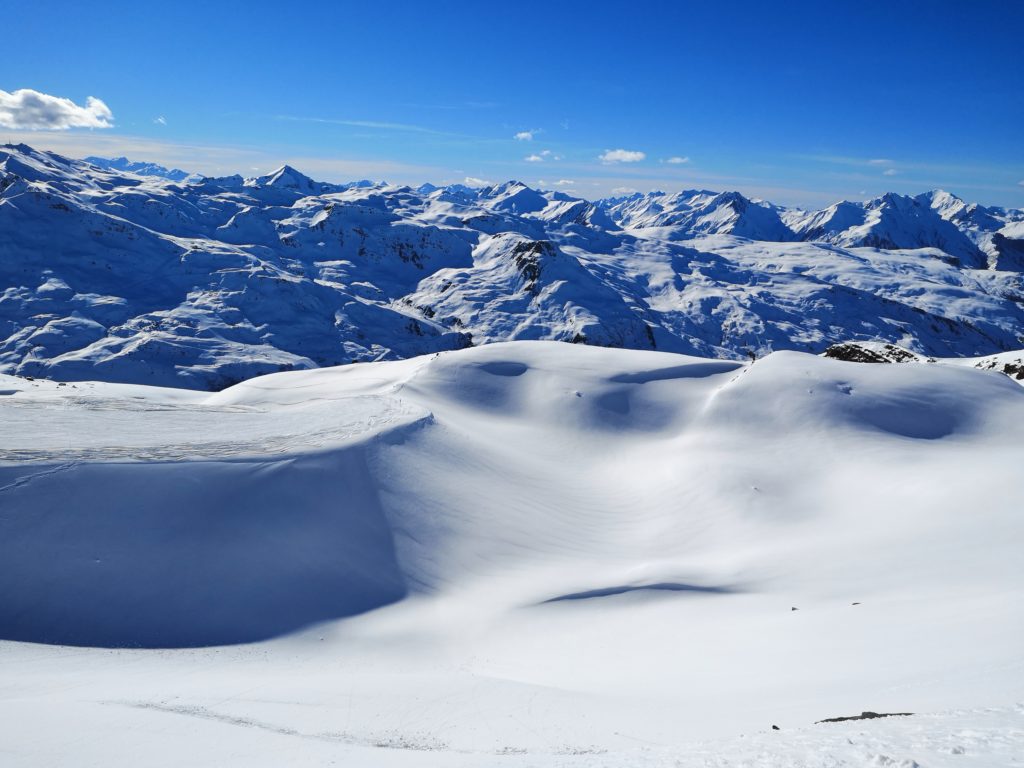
(965, 739)
(26, 479)
(383, 741)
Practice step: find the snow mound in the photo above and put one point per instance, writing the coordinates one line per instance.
(627, 554)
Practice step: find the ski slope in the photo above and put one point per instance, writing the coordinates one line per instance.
(523, 554)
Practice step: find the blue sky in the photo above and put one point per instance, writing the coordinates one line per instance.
(802, 103)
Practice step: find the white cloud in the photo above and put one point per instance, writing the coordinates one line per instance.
(524, 136)
(623, 191)
(677, 160)
(880, 161)
(372, 124)
(473, 181)
(621, 156)
(30, 110)
(160, 120)
(889, 172)
(545, 154)
(564, 183)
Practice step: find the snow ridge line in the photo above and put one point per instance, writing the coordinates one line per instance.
(26, 479)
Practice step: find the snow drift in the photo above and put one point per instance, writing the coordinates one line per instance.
(518, 552)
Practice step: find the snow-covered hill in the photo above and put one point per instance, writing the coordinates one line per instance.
(203, 282)
(523, 554)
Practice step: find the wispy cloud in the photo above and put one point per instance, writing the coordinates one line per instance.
(564, 183)
(29, 110)
(461, 105)
(890, 172)
(623, 191)
(860, 162)
(473, 181)
(222, 160)
(677, 160)
(621, 156)
(382, 126)
(545, 154)
(524, 136)
(160, 120)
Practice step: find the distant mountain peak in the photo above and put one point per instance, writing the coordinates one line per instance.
(138, 168)
(286, 176)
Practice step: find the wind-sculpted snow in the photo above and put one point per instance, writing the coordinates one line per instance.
(527, 553)
(197, 520)
(203, 282)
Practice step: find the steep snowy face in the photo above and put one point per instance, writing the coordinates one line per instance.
(998, 233)
(110, 274)
(286, 185)
(519, 288)
(700, 212)
(828, 223)
(896, 221)
(513, 197)
(974, 219)
(976, 236)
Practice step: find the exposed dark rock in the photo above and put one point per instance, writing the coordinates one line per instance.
(865, 716)
(528, 258)
(856, 353)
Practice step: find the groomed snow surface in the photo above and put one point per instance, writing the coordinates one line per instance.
(523, 554)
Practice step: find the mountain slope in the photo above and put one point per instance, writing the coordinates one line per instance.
(202, 283)
(893, 222)
(703, 213)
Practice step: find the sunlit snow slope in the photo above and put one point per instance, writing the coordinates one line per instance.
(107, 274)
(525, 554)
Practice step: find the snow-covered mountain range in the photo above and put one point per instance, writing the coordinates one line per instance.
(139, 168)
(201, 282)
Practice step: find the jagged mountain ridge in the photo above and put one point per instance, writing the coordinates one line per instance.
(936, 219)
(137, 167)
(204, 281)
